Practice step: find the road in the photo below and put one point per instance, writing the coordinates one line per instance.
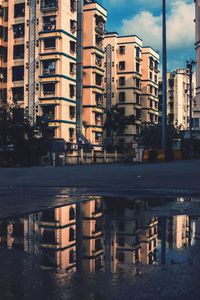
(26, 189)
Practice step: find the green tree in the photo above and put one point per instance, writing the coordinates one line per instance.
(116, 123)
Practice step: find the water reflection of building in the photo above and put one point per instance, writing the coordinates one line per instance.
(98, 235)
(127, 239)
(92, 229)
(177, 228)
(149, 240)
(20, 233)
(58, 237)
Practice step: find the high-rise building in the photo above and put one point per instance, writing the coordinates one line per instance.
(178, 101)
(149, 97)
(94, 19)
(196, 116)
(124, 63)
(39, 38)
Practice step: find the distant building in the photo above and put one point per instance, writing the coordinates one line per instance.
(149, 97)
(178, 101)
(197, 46)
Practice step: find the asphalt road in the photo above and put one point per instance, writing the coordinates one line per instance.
(27, 189)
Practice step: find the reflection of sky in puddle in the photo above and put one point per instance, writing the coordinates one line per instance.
(114, 236)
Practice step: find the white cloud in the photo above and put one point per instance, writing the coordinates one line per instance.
(180, 26)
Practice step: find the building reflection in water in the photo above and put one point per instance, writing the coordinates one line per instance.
(99, 234)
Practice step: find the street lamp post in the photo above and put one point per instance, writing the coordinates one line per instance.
(164, 77)
(190, 69)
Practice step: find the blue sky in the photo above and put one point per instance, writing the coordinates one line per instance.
(143, 18)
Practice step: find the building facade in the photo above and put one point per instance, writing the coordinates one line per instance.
(149, 97)
(41, 61)
(125, 80)
(94, 19)
(196, 116)
(178, 101)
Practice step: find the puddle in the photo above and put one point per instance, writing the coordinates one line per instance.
(103, 248)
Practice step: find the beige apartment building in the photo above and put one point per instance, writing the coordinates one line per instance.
(124, 61)
(40, 40)
(196, 115)
(149, 97)
(178, 101)
(94, 19)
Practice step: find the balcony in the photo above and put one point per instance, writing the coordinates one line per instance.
(98, 79)
(99, 42)
(99, 100)
(98, 61)
(49, 5)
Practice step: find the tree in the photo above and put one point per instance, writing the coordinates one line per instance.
(116, 123)
(151, 136)
(18, 138)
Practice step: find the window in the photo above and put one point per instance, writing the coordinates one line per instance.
(72, 46)
(18, 51)
(72, 213)
(18, 73)
(50, 43)
(71, 134)
(137, 52)
(138, 67)
(73, 5)
(18, 31)
(72, 90)
(122, 96)
(49, 67)
(120, 257)
(122, 65)
(151, 89)
(98, 137)
(73, 26)
(98, 80)
(18, 94)
(121, 80)
(71, 256)
(72, 112)
(121, 241)
(49, 23)
(156, 78)
(71, 234)
(151, 75)
(137, 96)
(137, 83)
(49, 88)
(151, 62)
(72, 67)
(121, 49)
(19, 10)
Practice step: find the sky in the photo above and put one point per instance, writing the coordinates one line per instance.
(144, 18)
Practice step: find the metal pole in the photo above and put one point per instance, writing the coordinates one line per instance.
(164, 77)
(190, 68)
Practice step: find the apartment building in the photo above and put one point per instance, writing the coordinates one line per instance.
(178, 101)
(92, 229)
(58, 237)
(3, 51)
(196, 115)
(40, 40)
(149, 97)
(124, 65)
(149, 240)
(94, 19)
